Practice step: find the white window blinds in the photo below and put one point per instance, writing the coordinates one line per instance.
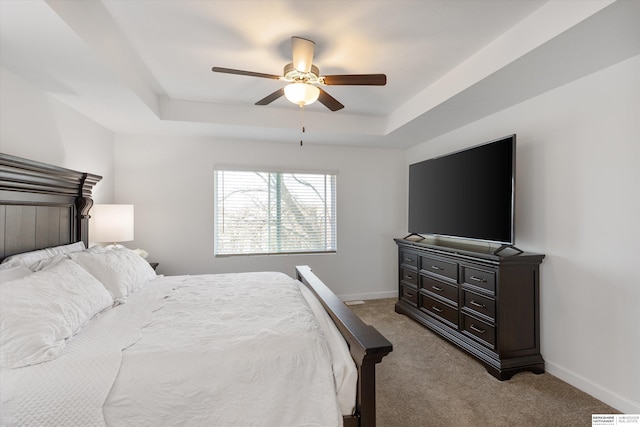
(274, 212)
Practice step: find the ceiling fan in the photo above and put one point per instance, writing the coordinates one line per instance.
(304, 77)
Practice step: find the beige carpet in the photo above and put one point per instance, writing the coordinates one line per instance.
(426, 381)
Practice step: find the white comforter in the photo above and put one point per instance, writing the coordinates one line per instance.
(228, 350)
(260, 359)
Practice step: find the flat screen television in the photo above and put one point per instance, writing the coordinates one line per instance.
(467, 194)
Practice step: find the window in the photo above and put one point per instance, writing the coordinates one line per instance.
(274, 212)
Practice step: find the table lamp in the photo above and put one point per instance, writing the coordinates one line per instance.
(111, 223)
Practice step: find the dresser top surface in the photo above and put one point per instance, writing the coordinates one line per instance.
(474, 250)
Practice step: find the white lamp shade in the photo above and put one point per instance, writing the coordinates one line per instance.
(301, 93)
(111, 223)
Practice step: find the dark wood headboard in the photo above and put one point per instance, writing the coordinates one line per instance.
(42, 205)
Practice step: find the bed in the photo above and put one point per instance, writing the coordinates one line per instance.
(44, 206)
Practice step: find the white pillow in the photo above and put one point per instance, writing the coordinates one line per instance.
(13, 273)
(38, 313)
(28, 259)
(45, 263)
(120, 270)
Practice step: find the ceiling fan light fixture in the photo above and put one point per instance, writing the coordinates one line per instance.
(301, 93)
(303, 76)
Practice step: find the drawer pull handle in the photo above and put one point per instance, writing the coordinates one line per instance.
(408, 277)
(408, 260)
(478, 279)
(478, 330)
(439, 310)
(477, 304)
(437, 288)
(408, 294)
(435, 267)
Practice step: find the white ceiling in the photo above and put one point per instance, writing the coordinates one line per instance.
(144, 67)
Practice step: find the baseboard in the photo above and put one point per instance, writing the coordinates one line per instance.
(369, 295)
(620, 403)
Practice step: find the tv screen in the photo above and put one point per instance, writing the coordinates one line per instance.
(468, 194)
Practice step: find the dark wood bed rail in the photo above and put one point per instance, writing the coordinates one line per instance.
(366, 345)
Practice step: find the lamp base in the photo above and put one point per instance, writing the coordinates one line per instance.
(114, 246)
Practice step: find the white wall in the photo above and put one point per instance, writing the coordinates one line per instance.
(170, 181)
(36, 126)
(578, 202)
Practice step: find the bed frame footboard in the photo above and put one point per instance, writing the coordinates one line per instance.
(366, 344)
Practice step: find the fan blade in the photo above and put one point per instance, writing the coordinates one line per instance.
(302, 53)
(244, 73)
(356, 79)
(270, 98)
(329, 101)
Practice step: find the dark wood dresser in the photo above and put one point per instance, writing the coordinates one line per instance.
(486, 304)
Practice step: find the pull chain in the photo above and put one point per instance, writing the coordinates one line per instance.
(302, 120)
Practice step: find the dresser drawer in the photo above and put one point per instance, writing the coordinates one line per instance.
(409, 294)
(442, 289)
(439, 309)
(445, 269)
(482, 331)
(485, 279)
(409, 258)
(409, 276)
(479, 304)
